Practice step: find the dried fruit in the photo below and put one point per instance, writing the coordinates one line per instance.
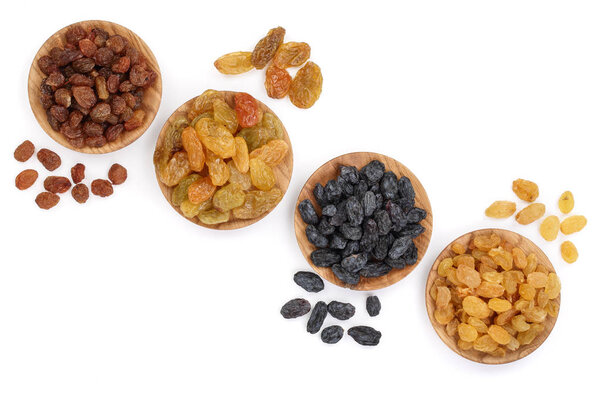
(234, 63)
(499, 334)
(213, 217)
(47, 200)
(175, 170)
(531, 213)
(57, 184)
(49, 159)
(200, 190)
(332, 334)
(102, 187)
(235, 176)
(24, 151)
(525, 190)
(215, 137)
(228, 197)
(266, 48)
(475, 307)
(80, 193)
(193, 146)
(569, 252)
(117, 174)
(261, 174)
(566, 202)
(306, 86)
(247, 110)
(26, 179)
(373, 306)
(365, 335)
(78, 173)
(341, 311)
(241, 157)
(277, 82)
(257, 203)
(309, 281)
(501, 209)
(180, 193)
(295, 308)
(573, 224)
(225, 115)
(467, 332)
(291, 54)
(549, 227)
(271, 153)
(217, 169)
(317, 317)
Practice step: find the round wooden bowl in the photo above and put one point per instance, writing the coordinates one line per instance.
(152, 95)
(330, 170)
(283, 171)
(518, 241)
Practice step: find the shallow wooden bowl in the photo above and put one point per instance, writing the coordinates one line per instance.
(330, 170)
(152, 95)
(283, 172)
(518, 241)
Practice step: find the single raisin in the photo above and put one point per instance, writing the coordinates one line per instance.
(24, 151)
(57, 184)
(277, 82)
(49, 159)
(117, 174)
(78, 173)
(295, 308)
(266, 48)
(309, 281)
(247, 110)
(85, 96)
(373, 306)
(306, 86)
(80, 193)
(47, 200)
(341, 311)
(365, 335)
(26, 179)
(332, 334)
(102, 187)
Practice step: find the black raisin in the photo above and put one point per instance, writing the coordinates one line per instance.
(373, 305)
(361, 188)
(347, 188)
(325, 257)
(384, 222)
(399, 247)
(337, 242)
(369, 203)
(397, 264)
(351, 232)
(333, 191)
(388, 186)
(349, 173)
(411, 255)
(341, 311)
(375, 270)
(405, 189)
(315, 237)
(350, 278)
(381, 249)
(352, 247)
(295, 308)
(308, 213)
(354, 211)
(416, 215)
(309, 281)
(412, 230)
(329, 210)
(373, 171)
(320, 196)
(325, 228)
(354, 262)
(365, 335)
(317, 317)
(332, 334)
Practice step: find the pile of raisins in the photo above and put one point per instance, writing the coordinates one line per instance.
(271, 52)
(94, 87)
(298, 307)
(367, 225)
(55, 185)
(551, 225)
(220, 159)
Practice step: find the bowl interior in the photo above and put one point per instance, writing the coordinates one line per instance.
(283, 171)
(518, 241)
(330, 170)
(152, 95)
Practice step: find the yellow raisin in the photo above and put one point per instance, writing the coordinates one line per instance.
(537, 279)
(241, 157)
(444, 266)
(485, 344)
(261, 174)
(525, 190)
(502, 257)
(519, 323)
(235, 176)
(442, 297)
(468, 276)
(190, 210)
(566, 202)
(193, 146)
(535, 314)
(504, 317)
(501, 209)
(552, 286)
(569, 252)
(213, 217)
(234, 63)
(257, 202)
(542, 298)
(526, 337)
(489, 290)
(549, 228)
(217, 169)
(464, 345)
(175, 170)
(271, 153)
(526, 291)
(225, 115)
(552, 308)
(573, 224)
(531, 264)
(467, 332)
(487, 242)
(458, 248)
(444, 315)
(475, 307)
(478, 324)
(204, 103)
(465, 260)
(519, 258)
(531, 213)
(228, 197)
(451, 327)
(499, 334)
(513, 344)
(216, 137)
(499, 305)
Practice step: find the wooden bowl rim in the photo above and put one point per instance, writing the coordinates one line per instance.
(151, 107)
(235, 223)
(394, 276)
(473, 355)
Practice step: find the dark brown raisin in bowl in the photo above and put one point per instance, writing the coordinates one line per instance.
(76, 70)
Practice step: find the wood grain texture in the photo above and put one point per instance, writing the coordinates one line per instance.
(283, 171)
(518, 241)
(152, 95)
(330, 170)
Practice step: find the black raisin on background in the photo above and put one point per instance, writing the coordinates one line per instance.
(373, 306)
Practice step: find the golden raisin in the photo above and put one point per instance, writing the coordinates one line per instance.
(261, 174)
(291, 54)
(235, 176)
(201, 190)
(217, 169)
(193, 146)
(573, 224)
(241, 157)
(549, 227)
(228, 197)
(530, 213)
(499, 334)
(501, 209)
(566, 202)
(569, 252)
(215, 137)
(271, 153)
(467, 332)
(234, 63)
(458, 248)
(306, 86)
(225, 115)
(525, 190)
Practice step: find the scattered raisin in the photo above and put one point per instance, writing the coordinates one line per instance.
(25, 179)
(78, 173)
(332, 334)
(80, 193)
(49, 159)
(373, 306)
(266, 48)
(309, 281)
(102, 187)
(295, 308)
(57, 184)
(317, 317)
(365, 335)
(24, 151)
(47, 200)
(117, 174)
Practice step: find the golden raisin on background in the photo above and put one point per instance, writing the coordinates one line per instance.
(526, 190)
(530, 213)
(566, 202)
(569, 252)
(234, 63)
(573, 224)
(497, 303)
(549, 228)
(501, 209)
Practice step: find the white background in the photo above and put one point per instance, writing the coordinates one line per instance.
(121, 298)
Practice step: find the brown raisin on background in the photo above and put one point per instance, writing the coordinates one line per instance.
(117, 174)
(49, 159)
(57, 184)
(25, 179)
(78, 173)
(102, 187)
(47, 200)
(80, 193)
(24, 151)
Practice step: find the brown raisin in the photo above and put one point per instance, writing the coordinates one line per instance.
(101, 88)
(47, 200)
(87, 47)
(84, 65)
(116, 43)
(134, 55)
(117, 174)
(121, 65)
(55, 80)
(62, 97)
(84, 96)
(113, 132)
(57, 184)
(104, 56)
(24, 151)
(60, 113)
(77, 142)
(78, 173)
(139, 76)
(52, 121)
(95, 141)
(74, 34)
(26, 178)
(47, 65)
(136, 120)
(102, 187)
(49, 159)
(71, 132)
(117, 105)
(92, 129)
(130, 99)
(99, 37)
(81, 80)
(80, 193)
(126, 86)
(100, 112)
(112, 83)
(266, 48)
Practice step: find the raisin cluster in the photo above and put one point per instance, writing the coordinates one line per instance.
(367, 225)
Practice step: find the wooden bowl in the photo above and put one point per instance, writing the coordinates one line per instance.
(330, 170)
(283, 171)
(152, 95)
(518, 241)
